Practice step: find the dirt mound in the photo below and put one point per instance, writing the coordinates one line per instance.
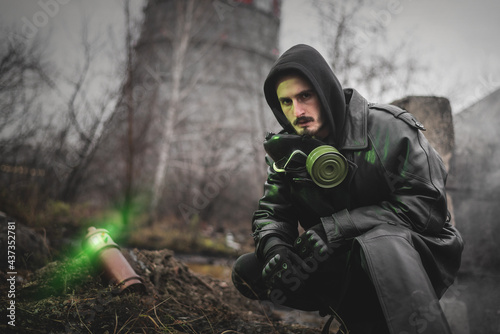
(68, 297)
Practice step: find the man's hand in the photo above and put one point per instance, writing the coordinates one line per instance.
(284, 270)
(312, 245)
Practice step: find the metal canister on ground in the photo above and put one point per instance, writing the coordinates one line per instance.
(106, 254)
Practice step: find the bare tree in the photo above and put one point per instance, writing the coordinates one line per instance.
(61, 133)
(23, 78)
(355, 35)
(128, 95)
(184, 113)
(191, 19)
(57, 134)
(23, 75)
(84, 118)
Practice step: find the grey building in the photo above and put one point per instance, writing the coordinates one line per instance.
(198, 114)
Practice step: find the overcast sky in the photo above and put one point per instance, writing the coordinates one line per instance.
(456, 39)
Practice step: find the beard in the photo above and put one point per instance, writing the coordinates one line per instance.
(321, 132)
(304, 131)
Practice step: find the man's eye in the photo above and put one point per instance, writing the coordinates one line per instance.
(285, 102)
(305, 96)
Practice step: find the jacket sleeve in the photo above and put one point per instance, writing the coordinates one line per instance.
(275, 220)
(414, 176)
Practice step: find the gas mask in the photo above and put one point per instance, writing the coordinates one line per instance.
(325, 165)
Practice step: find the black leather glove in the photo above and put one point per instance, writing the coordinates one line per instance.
(283, 269)
(312, 245)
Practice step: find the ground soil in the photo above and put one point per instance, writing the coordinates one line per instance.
(70, 297)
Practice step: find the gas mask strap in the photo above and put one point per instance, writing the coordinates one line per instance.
(283, 170)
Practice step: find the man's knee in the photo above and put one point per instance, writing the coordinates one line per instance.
(386, 230)
(247, 277)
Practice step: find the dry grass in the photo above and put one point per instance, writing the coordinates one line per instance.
(178, 301)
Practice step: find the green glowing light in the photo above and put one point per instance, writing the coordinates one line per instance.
(272, 190)
(386, 147)
(370, 156)
(261, 225)
(406, 164)
(77, 267)
(98, 240)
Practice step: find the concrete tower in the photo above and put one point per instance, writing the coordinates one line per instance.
(198, 113)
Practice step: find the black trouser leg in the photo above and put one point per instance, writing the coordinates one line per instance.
(317, 293)
(247, 277)
(360, 309)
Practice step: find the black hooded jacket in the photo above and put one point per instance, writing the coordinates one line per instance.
(392, 203)
(310, 64)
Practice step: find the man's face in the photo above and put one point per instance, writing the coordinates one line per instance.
(301, 106)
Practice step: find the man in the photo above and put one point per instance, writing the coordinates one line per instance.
(363, 182)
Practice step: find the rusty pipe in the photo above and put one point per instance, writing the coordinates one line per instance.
(106, 255)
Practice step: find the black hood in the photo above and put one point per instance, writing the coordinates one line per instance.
(309, 62)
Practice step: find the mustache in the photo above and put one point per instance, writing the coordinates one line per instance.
(303, 119)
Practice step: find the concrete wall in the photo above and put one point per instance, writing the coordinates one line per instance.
(475, 186)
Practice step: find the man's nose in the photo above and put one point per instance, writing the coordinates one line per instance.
(298, 109)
